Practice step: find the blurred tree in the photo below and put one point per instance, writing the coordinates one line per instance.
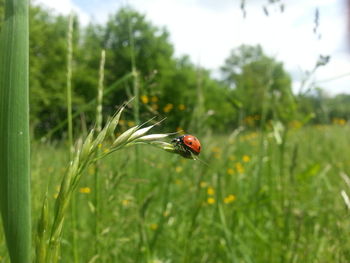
(127, 35)
(169, 86)
(258, 84)
(339, 106)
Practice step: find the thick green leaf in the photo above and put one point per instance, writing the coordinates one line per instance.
(14, 131)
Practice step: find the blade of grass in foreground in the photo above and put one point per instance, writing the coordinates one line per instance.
(14, 131)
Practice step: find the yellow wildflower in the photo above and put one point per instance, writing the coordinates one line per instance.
(106, 150)
(295, 124)
(216, 149)
(91, 170)
(85, 190)
(131, 123)
(338, 121)
(249, 120)
(246, 158)
(166, 213)
(210, 200)
(154, 107)
(153, 226)
(144, 99)
(178, 169)
(229, 199)
(239, 167)
(154, 99)
(178, 182)
(182, 107)
(203, 184)
(125, 202)
(121, 122)
(342, 122)
(210, 191)
(168, 107)
(230, 171)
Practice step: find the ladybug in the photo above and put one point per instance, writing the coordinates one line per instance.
(187, 145)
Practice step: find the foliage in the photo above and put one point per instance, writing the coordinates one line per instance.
(325, 109)
(253, 85)
(259, 84)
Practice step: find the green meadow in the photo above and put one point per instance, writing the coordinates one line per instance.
(251, 199)
(89, 171)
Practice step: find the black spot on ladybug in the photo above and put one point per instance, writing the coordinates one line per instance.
(190, 143)
(199, 148)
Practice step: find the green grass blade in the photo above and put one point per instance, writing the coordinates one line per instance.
(14, 131)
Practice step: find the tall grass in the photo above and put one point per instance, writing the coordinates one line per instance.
(69, 84)
(14, 131)
(70, 128)
(178, 222)
(97, 179)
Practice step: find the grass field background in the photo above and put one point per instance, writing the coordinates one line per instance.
(254, 201)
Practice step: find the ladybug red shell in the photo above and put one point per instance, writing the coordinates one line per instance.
(187, 144)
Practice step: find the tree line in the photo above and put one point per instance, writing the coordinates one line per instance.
(252, 84)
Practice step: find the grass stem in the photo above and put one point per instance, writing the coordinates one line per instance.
(96, 174)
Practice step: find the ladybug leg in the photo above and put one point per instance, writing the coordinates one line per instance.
(183, 151)
(180, 148)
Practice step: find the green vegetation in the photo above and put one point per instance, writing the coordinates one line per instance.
(14, 132)
(271, 183)
(168, 85)
(233, 208)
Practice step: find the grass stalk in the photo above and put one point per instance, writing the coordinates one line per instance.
(14, 131)
(97, 175)
(100, 92)
(69, 84)
(136, 105)
(70, 128)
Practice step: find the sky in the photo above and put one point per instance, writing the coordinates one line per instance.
(207, 30)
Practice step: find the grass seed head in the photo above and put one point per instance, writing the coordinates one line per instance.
(139, 133)
(87, 145)
(114, 122)
(152, 137)
(124, 137)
